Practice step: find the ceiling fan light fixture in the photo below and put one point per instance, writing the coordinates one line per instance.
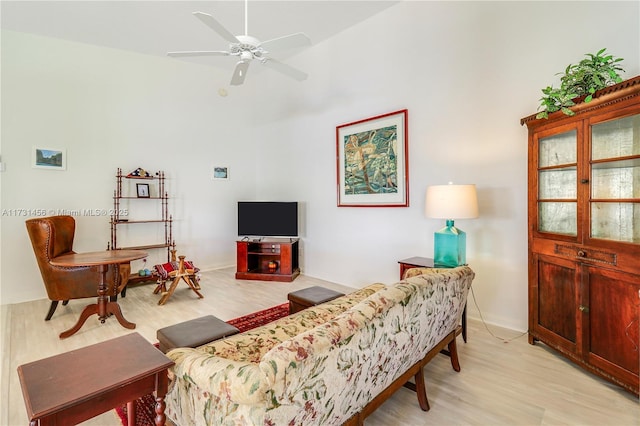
(247, 48)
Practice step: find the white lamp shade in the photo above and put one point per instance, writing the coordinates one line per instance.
(451, 202)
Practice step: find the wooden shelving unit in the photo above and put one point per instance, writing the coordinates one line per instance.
(118, 220)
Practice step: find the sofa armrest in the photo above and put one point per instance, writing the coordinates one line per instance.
(226, 381)
(414, 272)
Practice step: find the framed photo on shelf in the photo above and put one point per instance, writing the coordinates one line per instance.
(143, 190)
(49, 158)
(372, 162)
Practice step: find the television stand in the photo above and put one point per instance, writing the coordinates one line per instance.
(268, 259)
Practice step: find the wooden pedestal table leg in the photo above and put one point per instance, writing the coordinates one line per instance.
(99, 308)
(112, 308)
(86, 313)
(102, 308)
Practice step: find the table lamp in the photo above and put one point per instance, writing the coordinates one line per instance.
(451, 202)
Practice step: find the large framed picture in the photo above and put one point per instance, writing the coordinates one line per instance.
(372, 162)
(49, 158)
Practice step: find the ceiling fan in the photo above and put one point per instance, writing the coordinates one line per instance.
(248, 48)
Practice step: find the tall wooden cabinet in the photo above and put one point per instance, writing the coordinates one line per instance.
(584, 233)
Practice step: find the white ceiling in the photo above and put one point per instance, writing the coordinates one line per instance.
(156, 27)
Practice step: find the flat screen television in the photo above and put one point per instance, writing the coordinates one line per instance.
(267, 218)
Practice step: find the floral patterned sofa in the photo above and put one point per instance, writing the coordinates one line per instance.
(325, 365)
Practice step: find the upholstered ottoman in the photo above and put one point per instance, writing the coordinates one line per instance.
(312, 296)
(194, 333)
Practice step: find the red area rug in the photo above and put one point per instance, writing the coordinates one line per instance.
(145, 411)
(259, 318)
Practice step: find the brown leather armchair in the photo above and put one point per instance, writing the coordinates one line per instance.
(53, 236)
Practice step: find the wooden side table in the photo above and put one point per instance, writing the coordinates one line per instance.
(103, 307)
(426, 262)
(75, 386)
(414, 262)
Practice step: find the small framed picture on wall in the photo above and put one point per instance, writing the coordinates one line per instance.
(49, 158)
(220, 173)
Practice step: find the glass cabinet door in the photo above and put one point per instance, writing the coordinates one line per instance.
(615, 180)
(557, 183)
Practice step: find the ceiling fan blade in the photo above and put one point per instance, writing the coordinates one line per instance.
(199, 53)
(285, 69)
(216, 26)
(287, 42)
(239, 73)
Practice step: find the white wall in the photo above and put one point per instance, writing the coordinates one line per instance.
(111, 109)
(466, 71)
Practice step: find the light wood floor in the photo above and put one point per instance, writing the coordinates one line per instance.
(500, 383)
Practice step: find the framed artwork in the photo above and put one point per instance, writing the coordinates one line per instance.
(49, 158)
(372, 162)
(220, 173)
(143, 190)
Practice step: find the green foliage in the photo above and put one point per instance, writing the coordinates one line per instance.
(582, 79)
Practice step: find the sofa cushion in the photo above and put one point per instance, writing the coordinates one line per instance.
(251, 345)
(235, 382)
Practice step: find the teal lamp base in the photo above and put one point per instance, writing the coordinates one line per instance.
(450, 247)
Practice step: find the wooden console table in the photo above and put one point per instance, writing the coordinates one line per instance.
(269, 259)
(75, 386)
(103, 308)
(426, 262)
